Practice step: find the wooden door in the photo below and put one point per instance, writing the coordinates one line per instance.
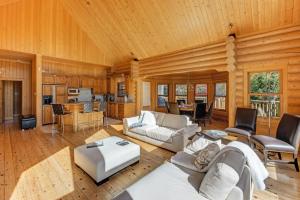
(47, 114)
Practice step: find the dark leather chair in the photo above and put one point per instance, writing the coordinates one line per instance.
(173, 108)
(287, 140)
(199, 112)
(245, 123)
(208, 115)
(167, 105)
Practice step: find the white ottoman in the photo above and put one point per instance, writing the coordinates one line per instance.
(104, 161)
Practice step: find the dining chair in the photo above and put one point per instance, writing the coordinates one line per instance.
(174, 108)
(167, 105)
(181, 102)
(245, 123)
(287, 140)
(208, 115)
(199, 112)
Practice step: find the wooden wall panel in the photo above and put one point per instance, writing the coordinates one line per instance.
(294, 88)
(70, 68)
(212, 57)
(8, 100)
(19, 71)
(44, 27)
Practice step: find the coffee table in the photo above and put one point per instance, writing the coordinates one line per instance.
(103, 161)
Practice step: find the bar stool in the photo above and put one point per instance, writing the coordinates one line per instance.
(101, 107)
(85, 117)
(58, 110)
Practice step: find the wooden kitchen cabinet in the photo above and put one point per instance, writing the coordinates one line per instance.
(121, 110)
(60, 94)
(48, 79)
(73, 82)
(47, 90)
(60, 79)
(87, 82)
(47, 114)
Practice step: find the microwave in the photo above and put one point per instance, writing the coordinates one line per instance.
(73, 91)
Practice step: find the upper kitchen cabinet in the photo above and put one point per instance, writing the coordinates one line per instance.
(48, 79)
(73, 82)
(87, 82)
(99, 86)
(60, 79)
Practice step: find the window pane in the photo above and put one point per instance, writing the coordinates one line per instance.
(181, 89)
(220, 103)
(202, 99)
(221, 89)
(264, 104)
(162, 89)
(161, 100)
(201, 90)
(265, 82)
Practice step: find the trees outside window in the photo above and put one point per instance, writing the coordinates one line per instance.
(220, 96)
(162, 94)
(201, 92)
(265, 93)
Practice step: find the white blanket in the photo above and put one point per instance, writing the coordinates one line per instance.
(258, 171)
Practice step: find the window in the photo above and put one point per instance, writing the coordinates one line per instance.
(181, 92)
(201, 92)
(162, 94)
(220, 96)
(264, 93)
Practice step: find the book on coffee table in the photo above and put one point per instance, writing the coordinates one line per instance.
(94, 144)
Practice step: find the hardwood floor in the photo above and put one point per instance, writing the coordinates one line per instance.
(37, 164)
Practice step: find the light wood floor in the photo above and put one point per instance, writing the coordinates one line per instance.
(37, 164)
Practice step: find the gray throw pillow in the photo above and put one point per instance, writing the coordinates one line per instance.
(206, 155)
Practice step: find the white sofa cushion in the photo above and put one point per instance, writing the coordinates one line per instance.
(168, 181)
(143, 129)
(175, 121)
(149, 118)
(219, 181)
(161, 133)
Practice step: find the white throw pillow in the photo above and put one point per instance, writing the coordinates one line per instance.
(198, 143)
(149, 118)
(219, 181)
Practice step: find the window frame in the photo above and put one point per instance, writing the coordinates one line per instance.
(158, 95)
(195, 90)
(279, 94)
(226, 95)
(187, 92)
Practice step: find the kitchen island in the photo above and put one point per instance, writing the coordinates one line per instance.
(120, 110)
(78, 119)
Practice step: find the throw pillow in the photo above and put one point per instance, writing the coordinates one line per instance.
(206, 155)
(219, 181)
(135, 125)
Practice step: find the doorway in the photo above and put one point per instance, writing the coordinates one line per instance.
(11, 100)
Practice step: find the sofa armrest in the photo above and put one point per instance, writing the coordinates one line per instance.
(184, 134)
(127, 122)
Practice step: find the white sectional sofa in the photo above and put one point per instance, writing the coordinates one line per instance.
(175, 182)
(164, 130)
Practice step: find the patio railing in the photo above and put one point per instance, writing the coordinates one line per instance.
(264, 107)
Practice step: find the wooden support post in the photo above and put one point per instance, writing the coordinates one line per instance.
(231, 68)
(37, 88)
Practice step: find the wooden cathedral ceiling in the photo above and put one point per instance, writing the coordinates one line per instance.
(151, 27)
